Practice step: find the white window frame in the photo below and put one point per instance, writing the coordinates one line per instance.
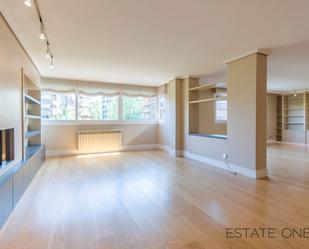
(100, 122)
(158, 107)
(47, 121)
(217, 121)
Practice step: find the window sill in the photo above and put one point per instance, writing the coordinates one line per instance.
(89, 122)
(218, 136)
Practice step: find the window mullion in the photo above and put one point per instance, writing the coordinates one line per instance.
(76, 104)
(120, 108)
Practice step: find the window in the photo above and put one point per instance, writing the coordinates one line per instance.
(83, 106)
(97, 107)
(58, 106)
(161, 100)
(139, 108)
(221, 110)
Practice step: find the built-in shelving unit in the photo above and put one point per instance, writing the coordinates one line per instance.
(279, 118)
(293, 117)
(32, 117)
(202, 103)
(195, 97)
(15, 179)
(294, 111)
(207, 100)
(306, 105)
(31, 100)
(204, 87)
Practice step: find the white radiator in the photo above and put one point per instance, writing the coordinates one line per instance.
(93, 141)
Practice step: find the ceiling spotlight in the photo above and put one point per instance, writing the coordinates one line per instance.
(28, 3)
(42, 35)
(48, 53)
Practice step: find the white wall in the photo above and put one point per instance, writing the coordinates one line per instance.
(271, 117)
(63, 137)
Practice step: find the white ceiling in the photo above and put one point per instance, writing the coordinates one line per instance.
(150, 41)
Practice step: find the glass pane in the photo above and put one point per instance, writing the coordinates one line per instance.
(139, 108)
(161, 107)
(97, 107)
(221, 110)
(58, 106)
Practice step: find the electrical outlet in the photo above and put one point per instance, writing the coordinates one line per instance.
(224, 156)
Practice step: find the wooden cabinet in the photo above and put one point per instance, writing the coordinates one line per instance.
(15, 181)
(19, 186)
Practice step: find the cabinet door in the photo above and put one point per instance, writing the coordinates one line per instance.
(35, 164)
(6, 202)
(19, 186)
(27, 173)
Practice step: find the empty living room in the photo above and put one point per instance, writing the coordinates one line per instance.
(148, 124)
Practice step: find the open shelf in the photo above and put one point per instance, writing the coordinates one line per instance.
(31, 150)
(279, 118)
(204, 100)
(219, 136)
(32, 116)
(292, 108)
(294, 115)
(294, 101)
(294, 123)
(32, 133)
(31, 100)
(207, 100)
(203, 87)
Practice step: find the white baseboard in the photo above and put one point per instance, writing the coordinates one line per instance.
(271, 141)
(138, 147)
(249, 172)
(169, 150)
(212, 162)
(163, 147)
(223, 165)
(176, 153)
